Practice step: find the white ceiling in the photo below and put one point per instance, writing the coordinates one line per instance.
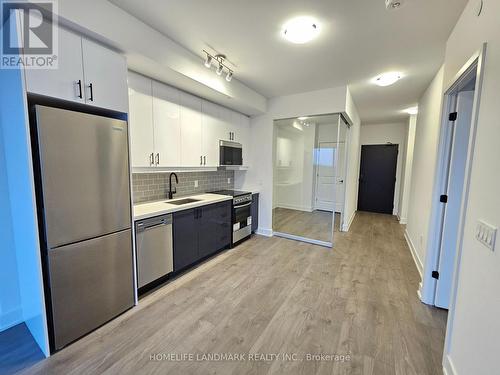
(359, 40)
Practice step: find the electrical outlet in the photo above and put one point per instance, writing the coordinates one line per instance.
(229, 180)
(195, 183)
(486, 234)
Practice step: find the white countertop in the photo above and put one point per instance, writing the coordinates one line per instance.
(156, 208)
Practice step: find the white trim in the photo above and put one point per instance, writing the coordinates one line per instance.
(347, 226)
(303, 239)
(264, 232)
(11, 318)
(414, 254)
(448, 368)
(294, 207)
(403, 220)
(480, 56)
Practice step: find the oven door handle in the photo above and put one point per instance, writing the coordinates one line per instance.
(243, 205)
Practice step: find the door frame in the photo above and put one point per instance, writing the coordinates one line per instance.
(474, 66)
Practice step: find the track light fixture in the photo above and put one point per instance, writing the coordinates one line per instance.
(219, 62)
(208, 61)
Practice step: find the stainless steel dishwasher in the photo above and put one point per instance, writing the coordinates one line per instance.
(154, 248)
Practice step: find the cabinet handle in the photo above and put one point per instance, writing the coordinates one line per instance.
(91, 92)
(201, 160)
(152, 159)
(79, 83)
(204, 160)
(158, 158)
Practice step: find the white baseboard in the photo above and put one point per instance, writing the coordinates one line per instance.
(414, 254)
(10, 319)
(448, 368)
(347, 226)
(294, 207)
(403, 220)
(264, 232)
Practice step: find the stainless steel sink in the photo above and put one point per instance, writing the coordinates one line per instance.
(179, 202)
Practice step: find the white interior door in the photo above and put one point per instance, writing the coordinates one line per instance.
(325, 176)
(458, 159)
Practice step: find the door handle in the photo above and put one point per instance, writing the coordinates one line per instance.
(91, 92)
(204, 160)
(157, 158)
(152, 159)
(79, 83)
(201, 160)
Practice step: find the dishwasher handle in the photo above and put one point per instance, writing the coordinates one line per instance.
(148, 224)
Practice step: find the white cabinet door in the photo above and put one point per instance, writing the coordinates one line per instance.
(105, 73)
(242, 134)
(191, 153)
(167, 125)
(141, 121)
(226, 116)
(65, 82)
(213, 130)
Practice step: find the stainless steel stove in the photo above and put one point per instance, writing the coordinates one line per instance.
(241, 213)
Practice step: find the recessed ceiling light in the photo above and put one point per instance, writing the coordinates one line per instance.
(300, 30)
(302, 118)
(387, 79)
(411, 110)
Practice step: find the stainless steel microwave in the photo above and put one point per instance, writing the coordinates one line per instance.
(230, 153)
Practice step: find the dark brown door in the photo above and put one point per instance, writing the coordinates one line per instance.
(377, 178)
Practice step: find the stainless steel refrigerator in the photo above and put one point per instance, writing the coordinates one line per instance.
(83, 194)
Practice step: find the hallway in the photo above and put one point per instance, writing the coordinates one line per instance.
(273, 295)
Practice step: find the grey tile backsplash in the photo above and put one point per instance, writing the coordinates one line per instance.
(154, 186)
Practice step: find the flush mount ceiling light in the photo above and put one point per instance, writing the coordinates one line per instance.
(220, 63)
(411, 110)
(387, 79)
(300, 30)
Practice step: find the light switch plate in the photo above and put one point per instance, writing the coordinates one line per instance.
(486, 234)
(195, 183)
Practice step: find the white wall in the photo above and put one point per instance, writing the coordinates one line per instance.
(424, 168)
(404, 195)
(379, 134)
(473, 338)
(260, 176)
(294, 168)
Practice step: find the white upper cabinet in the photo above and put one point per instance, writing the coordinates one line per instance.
(65, 82)
(167, 125)
(191, 154)
(105, 73)
(213, 130)
(87, 73)
(170, 128)
(141, 121)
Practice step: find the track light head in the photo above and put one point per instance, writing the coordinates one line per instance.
(219, 69)
(208, 61)
(229, 76)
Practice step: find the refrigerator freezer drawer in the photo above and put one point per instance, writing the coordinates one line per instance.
(91, 283)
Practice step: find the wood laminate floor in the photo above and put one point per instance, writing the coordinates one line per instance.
(277, 296)
(316, 225)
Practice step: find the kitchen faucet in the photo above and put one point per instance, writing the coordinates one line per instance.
(170, 192)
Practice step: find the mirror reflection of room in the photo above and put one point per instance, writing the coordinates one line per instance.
(309, 174)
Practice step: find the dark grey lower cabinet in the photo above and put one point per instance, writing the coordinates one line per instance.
(255, 211)
(200, 232)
